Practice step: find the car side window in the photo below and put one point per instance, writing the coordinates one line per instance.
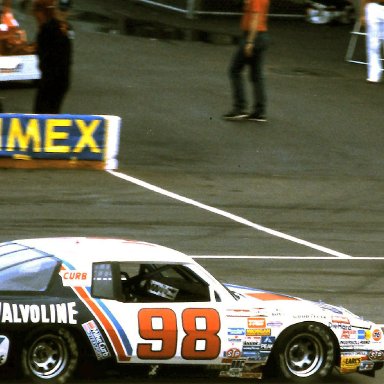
(163, 283)
(29, 276)
(147, 283)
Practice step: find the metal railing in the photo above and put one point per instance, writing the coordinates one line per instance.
(192, 9)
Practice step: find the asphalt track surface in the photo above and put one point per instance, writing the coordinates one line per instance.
(294, 205)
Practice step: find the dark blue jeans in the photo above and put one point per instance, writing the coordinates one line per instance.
(256, 67)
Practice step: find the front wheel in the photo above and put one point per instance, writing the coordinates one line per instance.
(306, 353)
(50, 356)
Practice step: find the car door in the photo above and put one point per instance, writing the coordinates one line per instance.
(161, 314)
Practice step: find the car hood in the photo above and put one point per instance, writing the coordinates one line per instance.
(268, 303)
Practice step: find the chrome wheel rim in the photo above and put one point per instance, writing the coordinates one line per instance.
(304, 355)
(48, 356)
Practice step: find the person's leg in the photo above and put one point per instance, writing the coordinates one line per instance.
(236, 77)
(41, 99)
(57, 101)
(49, 100)
(374, 16)
(257, 76)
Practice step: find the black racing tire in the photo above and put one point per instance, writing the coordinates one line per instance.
(50, 356)
(306, 353)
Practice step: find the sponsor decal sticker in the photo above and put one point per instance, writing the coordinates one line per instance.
(236, 331)
(353, 342)
(274, 324)
(235, 340)
(348, 334)
(97, 340)
(254, 339)
(341, 326)
(253, 344)
(233, 353)
(162, 290)
(350, 363)
(376, 335)
(258, 332)
(340, 319)
(74, 278)
(256, 322)
(366, 366)
(251, 351)
(331, 308)
(376, 355)
(363, 334)
(309, 316)
(267, 342)
(63, 313)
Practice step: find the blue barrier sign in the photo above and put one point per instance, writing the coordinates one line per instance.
(60, 137)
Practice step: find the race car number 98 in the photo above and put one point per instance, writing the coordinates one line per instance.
(201, 340)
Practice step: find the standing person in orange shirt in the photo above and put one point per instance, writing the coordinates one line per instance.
(251, 52)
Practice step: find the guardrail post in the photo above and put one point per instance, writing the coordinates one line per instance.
(191, 7)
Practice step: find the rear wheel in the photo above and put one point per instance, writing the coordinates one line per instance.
(306, 353)
(50, 356)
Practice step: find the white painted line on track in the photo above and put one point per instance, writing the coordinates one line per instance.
(232, 257)
(228, 215)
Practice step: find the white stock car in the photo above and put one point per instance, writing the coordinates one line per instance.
(66, 300)
(19, 67)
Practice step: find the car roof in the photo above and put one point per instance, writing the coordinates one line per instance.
(80, 250)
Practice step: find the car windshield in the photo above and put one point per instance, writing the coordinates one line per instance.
(12, 254)
(25, 269)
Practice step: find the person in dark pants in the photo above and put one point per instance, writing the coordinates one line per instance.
(251, 53)
(54, 50)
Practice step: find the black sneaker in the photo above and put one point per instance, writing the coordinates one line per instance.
(257, 116)
(235, 115)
